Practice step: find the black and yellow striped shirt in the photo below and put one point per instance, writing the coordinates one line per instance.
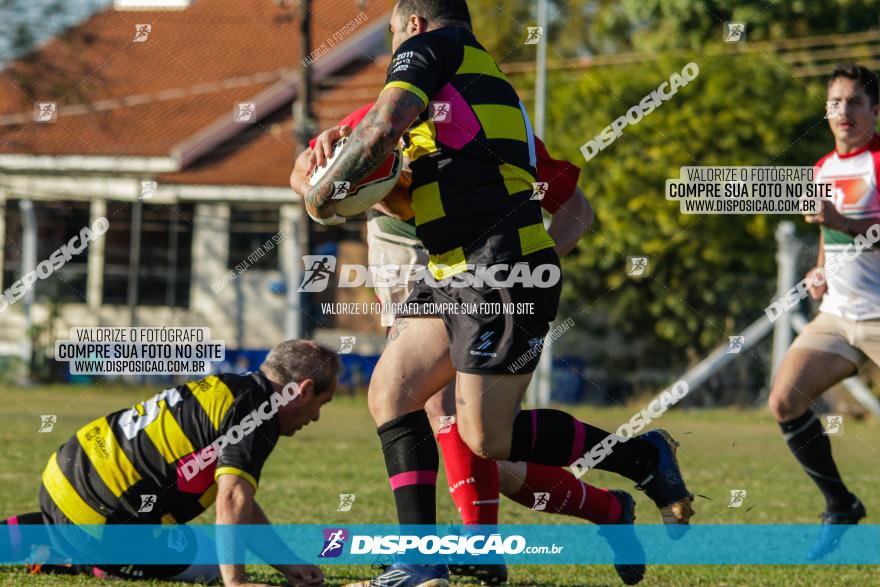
(472, 153)
(103, 473)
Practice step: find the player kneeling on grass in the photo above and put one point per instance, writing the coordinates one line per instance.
(159, 463)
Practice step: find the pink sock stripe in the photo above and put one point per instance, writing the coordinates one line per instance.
(413, 478)
(14, 532)
(578, 445)
(534, 428)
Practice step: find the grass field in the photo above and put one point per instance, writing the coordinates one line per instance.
(720, 450)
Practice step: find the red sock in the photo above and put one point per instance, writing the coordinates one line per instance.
(473, 480)
(567, 495)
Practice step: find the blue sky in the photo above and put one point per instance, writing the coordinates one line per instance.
(42, 18)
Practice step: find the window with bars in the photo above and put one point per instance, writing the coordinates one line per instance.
(56, 223)
(165, 268)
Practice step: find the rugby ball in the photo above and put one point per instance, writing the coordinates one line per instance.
(353, 200)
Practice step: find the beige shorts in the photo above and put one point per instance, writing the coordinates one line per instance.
(855, 340)
(385, 249)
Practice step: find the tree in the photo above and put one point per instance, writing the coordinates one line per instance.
(709, 275)
(652, 25)
(502, 28)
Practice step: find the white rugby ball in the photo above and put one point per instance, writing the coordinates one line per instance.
(353, 200)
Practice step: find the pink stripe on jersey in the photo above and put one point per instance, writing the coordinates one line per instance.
(463, 126)
(413, 478)
(201, 476)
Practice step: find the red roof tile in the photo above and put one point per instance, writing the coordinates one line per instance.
(202, 58)
(264, 155)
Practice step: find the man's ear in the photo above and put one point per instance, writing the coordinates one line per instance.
(304, 391)
(416, 25)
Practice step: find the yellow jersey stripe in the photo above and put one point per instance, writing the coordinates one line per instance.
(167, 436)
(409, 87)
(237, 472)
(422, 141)
(66, 497)
(214, 396)
(516, 179)
(107, 457)
(448, 264)
(534, 238)
(479, 62)
(426, 203)
(209, 496)
(501, 122)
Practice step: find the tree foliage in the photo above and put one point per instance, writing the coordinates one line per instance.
(582, 27)
(709, 275)
(652, 25)
(502, 27)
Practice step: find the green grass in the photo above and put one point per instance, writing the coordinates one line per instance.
(720, 450)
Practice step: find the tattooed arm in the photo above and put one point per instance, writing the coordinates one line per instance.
(369, 144)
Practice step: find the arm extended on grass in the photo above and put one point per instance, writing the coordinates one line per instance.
(235, 506)
(369, 144)
(295, 574)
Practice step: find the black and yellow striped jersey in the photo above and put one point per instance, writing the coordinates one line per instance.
(140, 465)
(472, 153)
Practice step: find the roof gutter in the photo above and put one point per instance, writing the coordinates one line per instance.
(99, 163)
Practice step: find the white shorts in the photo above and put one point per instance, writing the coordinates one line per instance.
(387, 249)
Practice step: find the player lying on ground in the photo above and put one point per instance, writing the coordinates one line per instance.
(474, 482)
(847, 328)
(130, 467)
(471, 188)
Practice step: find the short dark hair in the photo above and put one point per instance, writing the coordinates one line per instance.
(436, 11)
(866, 79)
(295, 360)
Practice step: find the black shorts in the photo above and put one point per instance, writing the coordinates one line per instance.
(68, 540)
(493, 330)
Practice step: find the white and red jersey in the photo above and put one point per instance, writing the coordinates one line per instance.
(854, 290)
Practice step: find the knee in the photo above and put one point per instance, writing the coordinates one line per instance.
(485, 445)
(784, 404)
(434, 409)
(511, 476)
(380, 403)
(389, 398)
(375, 404)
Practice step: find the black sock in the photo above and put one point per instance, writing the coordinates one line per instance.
(812, 448)
(411, 459)
(552, 437)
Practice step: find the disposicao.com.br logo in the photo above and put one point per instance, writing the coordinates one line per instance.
(403, 544)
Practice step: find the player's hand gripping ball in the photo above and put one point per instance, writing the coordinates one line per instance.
(353, 200)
